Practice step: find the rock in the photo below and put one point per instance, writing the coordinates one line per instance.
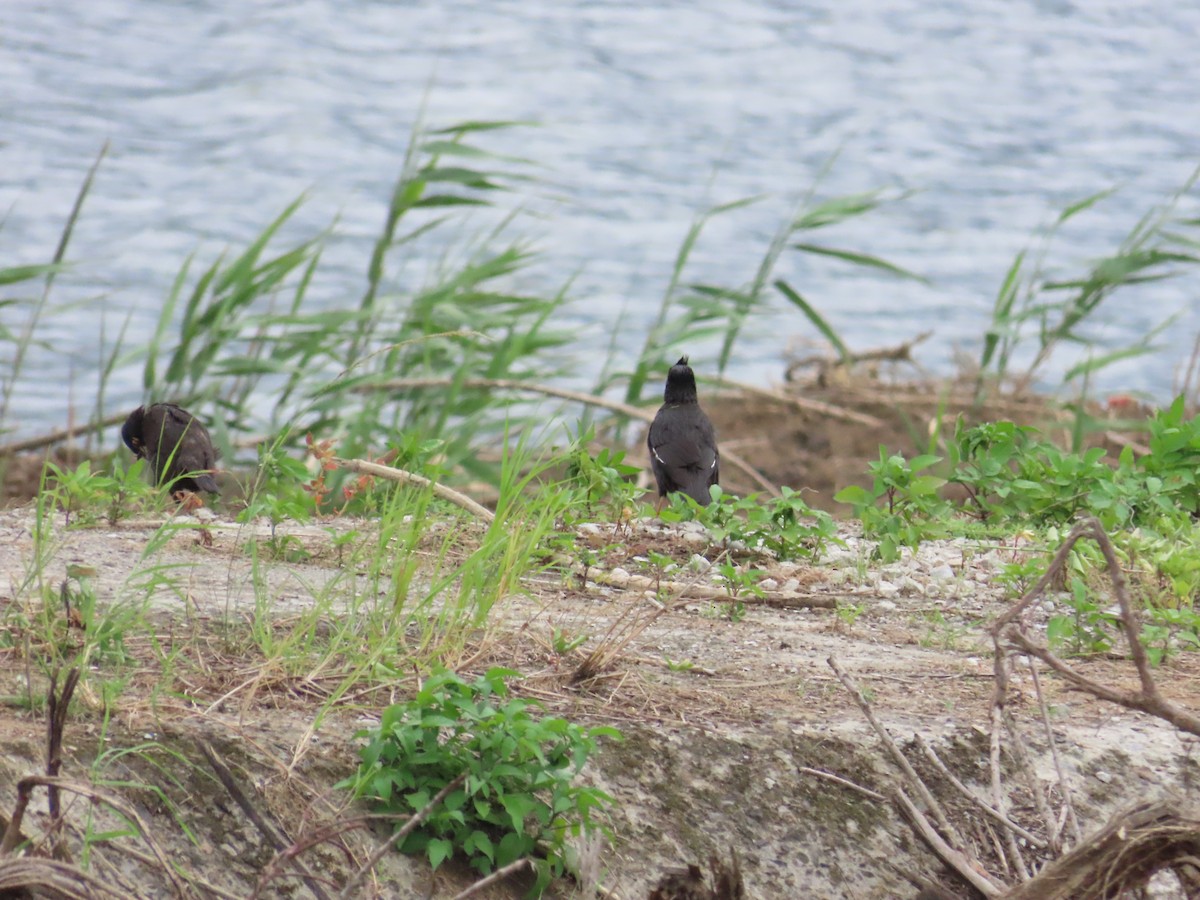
(887, 589)
(769, 584)
(885, 607)
(1103, 777)
(698, 563)
(942, 573)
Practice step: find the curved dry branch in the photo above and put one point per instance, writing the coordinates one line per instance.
(640, 413)
(829, 410)
(366, 467)
(62, 434)
(1122, 857)
(1148, 699)
(25, 788)
(645, 414)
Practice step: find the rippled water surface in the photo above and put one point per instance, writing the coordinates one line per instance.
(996, 113)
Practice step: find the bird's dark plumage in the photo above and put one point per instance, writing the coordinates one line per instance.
(175, 444)
(682, 441)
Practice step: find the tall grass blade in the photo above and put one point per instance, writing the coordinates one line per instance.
(817, 320)
(862, 259)
(22, 343)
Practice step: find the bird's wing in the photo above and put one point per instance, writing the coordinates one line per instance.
(196, 447)
(683, 444)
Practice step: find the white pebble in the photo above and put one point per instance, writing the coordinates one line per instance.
(698, 563)
(942, 573)
(887, 589)
(1104, 777)
(769, 584)
(885, 606)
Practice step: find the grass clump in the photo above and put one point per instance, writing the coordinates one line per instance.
(518, 798)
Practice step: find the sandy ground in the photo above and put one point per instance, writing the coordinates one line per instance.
(724, 720)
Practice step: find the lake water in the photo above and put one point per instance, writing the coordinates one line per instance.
(996, 113)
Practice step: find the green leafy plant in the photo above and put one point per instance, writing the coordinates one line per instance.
(902, 508)
(604, 480)
(785, 525)
(848, 614)
(1165, 631)
(1088, 628)
(88, 496)
(519, 798)
(79, 492)
(739, 580)
(563, 642)
(280, 491)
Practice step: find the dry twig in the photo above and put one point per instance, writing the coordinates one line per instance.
(961, 864)
(20, 876)
(970, 795)
(366, 467)
(641, 414)
(1148, 699)
(499, 875)
(829, 410)
(900, 759)
(844, 782)
(400, 834)
(265, 828)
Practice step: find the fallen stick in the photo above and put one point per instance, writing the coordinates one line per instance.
(265, 828)
(389, 473)
(399, 835)
(680, 590)
(951, 857)
(62, 434)
(828, 410)
(971, 796)
(509, 384)
(499, 875)
(901, 760)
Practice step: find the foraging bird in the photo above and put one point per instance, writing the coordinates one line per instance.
(682, 441)
(175, 444)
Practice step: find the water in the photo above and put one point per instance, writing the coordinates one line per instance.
(996, 112)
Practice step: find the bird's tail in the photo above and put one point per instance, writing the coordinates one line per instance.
(207, 483)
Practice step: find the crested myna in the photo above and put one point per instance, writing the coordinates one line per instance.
(682, 441)
(175, 444)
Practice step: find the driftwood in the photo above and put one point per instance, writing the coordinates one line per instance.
(1123, 856)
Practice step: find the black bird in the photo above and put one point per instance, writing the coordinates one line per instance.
(682, 441)
(175, 444)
